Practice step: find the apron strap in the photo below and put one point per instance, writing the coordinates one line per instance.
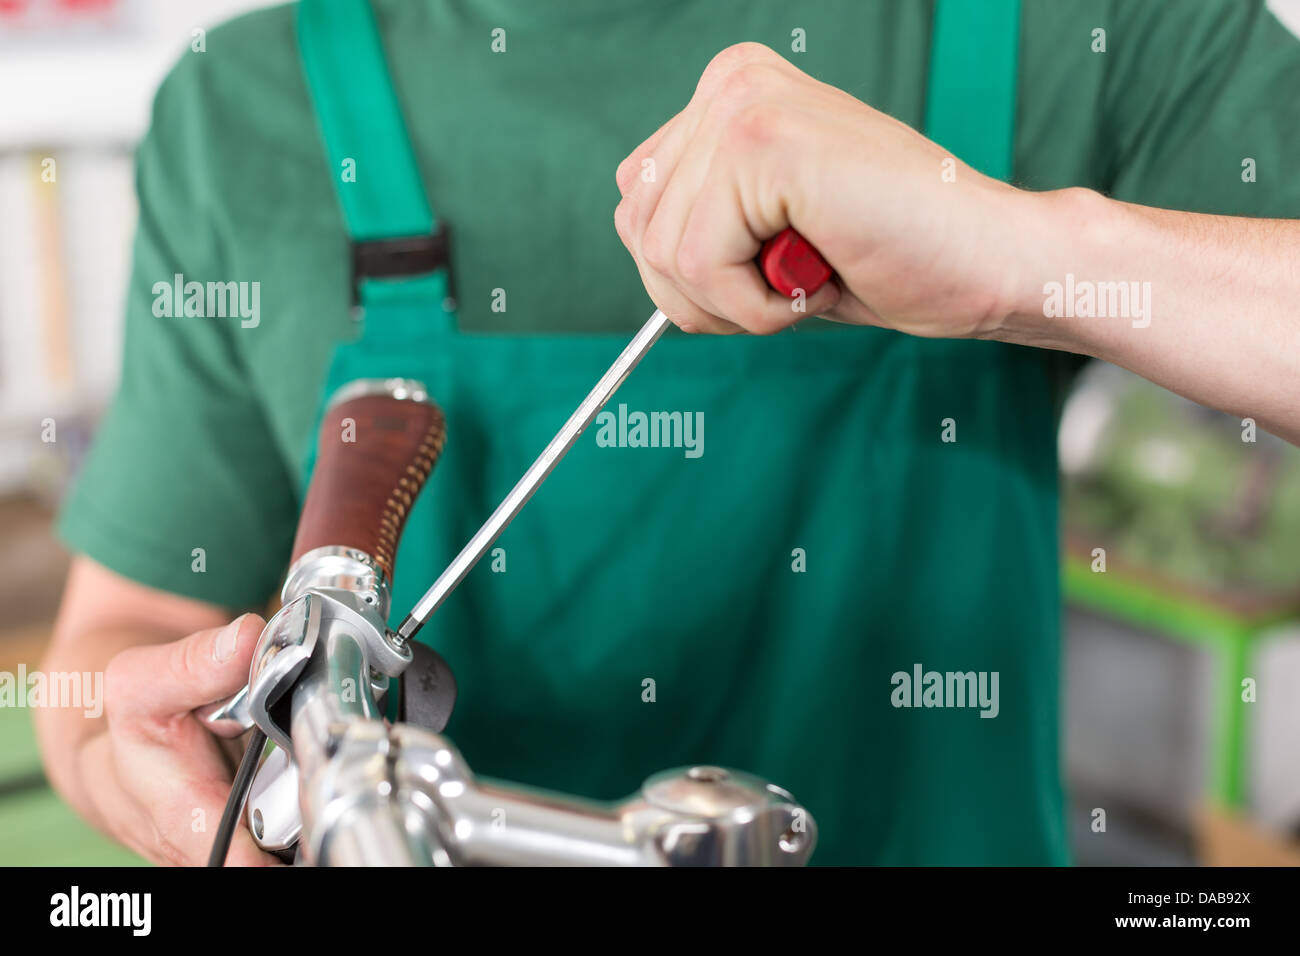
(970, 108)
(372, 162)
(971, 97)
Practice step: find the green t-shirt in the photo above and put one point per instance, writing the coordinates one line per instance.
(205, 442)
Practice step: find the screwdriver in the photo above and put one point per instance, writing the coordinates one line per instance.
(788, 262)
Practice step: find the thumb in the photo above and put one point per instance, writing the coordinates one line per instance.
(162, 680)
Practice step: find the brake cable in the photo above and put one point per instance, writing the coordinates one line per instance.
(243, 782)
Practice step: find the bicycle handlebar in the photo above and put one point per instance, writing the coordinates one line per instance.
(349, 789)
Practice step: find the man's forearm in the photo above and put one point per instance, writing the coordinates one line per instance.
(1203, 305)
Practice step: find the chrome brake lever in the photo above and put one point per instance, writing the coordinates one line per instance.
(233, 709)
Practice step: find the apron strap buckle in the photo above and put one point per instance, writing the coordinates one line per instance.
(398, 256)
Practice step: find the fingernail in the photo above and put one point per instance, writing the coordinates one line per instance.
(223, 649)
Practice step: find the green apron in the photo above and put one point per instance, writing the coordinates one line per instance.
(747, 607)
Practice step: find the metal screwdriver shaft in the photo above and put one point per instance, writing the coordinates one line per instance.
(533, 477)
(789, 264)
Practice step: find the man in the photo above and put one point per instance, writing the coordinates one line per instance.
(868, 505)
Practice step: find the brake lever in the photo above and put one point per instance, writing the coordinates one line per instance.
(234, 709)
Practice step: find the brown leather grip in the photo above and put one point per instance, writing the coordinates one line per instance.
(373, 456)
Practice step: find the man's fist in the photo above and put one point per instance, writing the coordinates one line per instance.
(919, 241)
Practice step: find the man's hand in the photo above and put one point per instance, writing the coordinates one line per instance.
(919, 241)
(163, 776)
(924, 244)
(148, 772)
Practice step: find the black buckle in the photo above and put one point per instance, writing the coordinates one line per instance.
(402, 256)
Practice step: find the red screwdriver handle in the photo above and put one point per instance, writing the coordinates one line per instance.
(789, 262)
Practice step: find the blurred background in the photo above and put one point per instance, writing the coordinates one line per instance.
(1182, 537)
(77, 79)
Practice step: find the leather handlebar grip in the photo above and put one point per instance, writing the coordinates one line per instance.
(378, 442)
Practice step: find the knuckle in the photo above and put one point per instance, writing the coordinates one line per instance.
(623, 174)
(737, 56)
(737, 86)
(753, 83)
(655, 251)
(622, 220)
(182, 660)
(749, 127)
(691, 265)
(756, 322)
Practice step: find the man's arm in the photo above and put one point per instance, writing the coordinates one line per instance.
(146, 771)
(102, 614)
(924, 244)
(1210, 304)
(183, 511)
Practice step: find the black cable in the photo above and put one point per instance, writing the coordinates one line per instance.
(238, 794)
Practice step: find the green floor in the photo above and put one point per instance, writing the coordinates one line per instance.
(36, 827)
